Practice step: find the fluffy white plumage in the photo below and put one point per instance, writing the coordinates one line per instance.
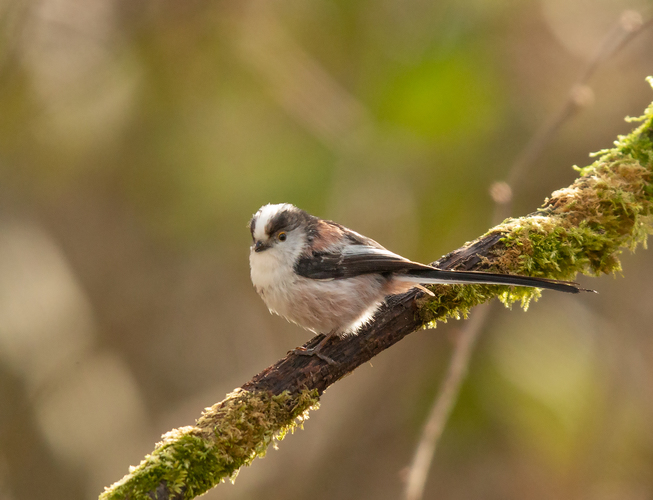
(321, 306)
(265, 214)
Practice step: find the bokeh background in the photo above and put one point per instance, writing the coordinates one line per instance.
(138, 138)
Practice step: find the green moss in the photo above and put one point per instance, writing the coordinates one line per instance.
(581, 229)
(227, 436)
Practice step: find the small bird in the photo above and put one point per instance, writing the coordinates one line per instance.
(330, 280)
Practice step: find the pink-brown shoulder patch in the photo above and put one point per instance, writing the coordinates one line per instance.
(327, 235)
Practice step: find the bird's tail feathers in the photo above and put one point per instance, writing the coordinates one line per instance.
(440, 276)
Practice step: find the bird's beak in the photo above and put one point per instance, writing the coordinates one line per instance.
(259, 246)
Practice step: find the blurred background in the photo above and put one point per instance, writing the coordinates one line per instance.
(138, 138)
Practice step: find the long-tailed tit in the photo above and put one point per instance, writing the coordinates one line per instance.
(330, 280)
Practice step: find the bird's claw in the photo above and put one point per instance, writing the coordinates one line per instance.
(302, 351)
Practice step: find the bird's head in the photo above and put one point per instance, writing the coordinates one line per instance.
(279, 229)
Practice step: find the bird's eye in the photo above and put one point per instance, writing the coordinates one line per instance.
(281, 236)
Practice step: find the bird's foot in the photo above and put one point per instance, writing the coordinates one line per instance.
(315, 351)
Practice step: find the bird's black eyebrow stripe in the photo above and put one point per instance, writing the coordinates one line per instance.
(286, 220)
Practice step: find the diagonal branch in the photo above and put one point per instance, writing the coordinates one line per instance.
(582, 228)
(580, 96)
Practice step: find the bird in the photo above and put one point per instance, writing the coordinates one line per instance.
(331, 280)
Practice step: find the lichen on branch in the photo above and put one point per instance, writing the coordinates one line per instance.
(191, 460)
(582, 228)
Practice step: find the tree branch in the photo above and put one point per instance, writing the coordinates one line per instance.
(582, 228)
(580, 96)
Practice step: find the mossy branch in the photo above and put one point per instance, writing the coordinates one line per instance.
(580, 229)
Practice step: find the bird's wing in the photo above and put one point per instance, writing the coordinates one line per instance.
(355, 260)
(352, 261)
(361, 255)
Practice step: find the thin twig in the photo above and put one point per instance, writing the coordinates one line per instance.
(580, 96)
(444, 403)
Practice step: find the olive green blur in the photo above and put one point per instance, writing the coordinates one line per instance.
(138, 138)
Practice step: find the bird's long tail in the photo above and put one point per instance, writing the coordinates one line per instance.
(433, 276)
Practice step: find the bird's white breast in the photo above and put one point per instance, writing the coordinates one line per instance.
(317, 305)
(273, 275)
